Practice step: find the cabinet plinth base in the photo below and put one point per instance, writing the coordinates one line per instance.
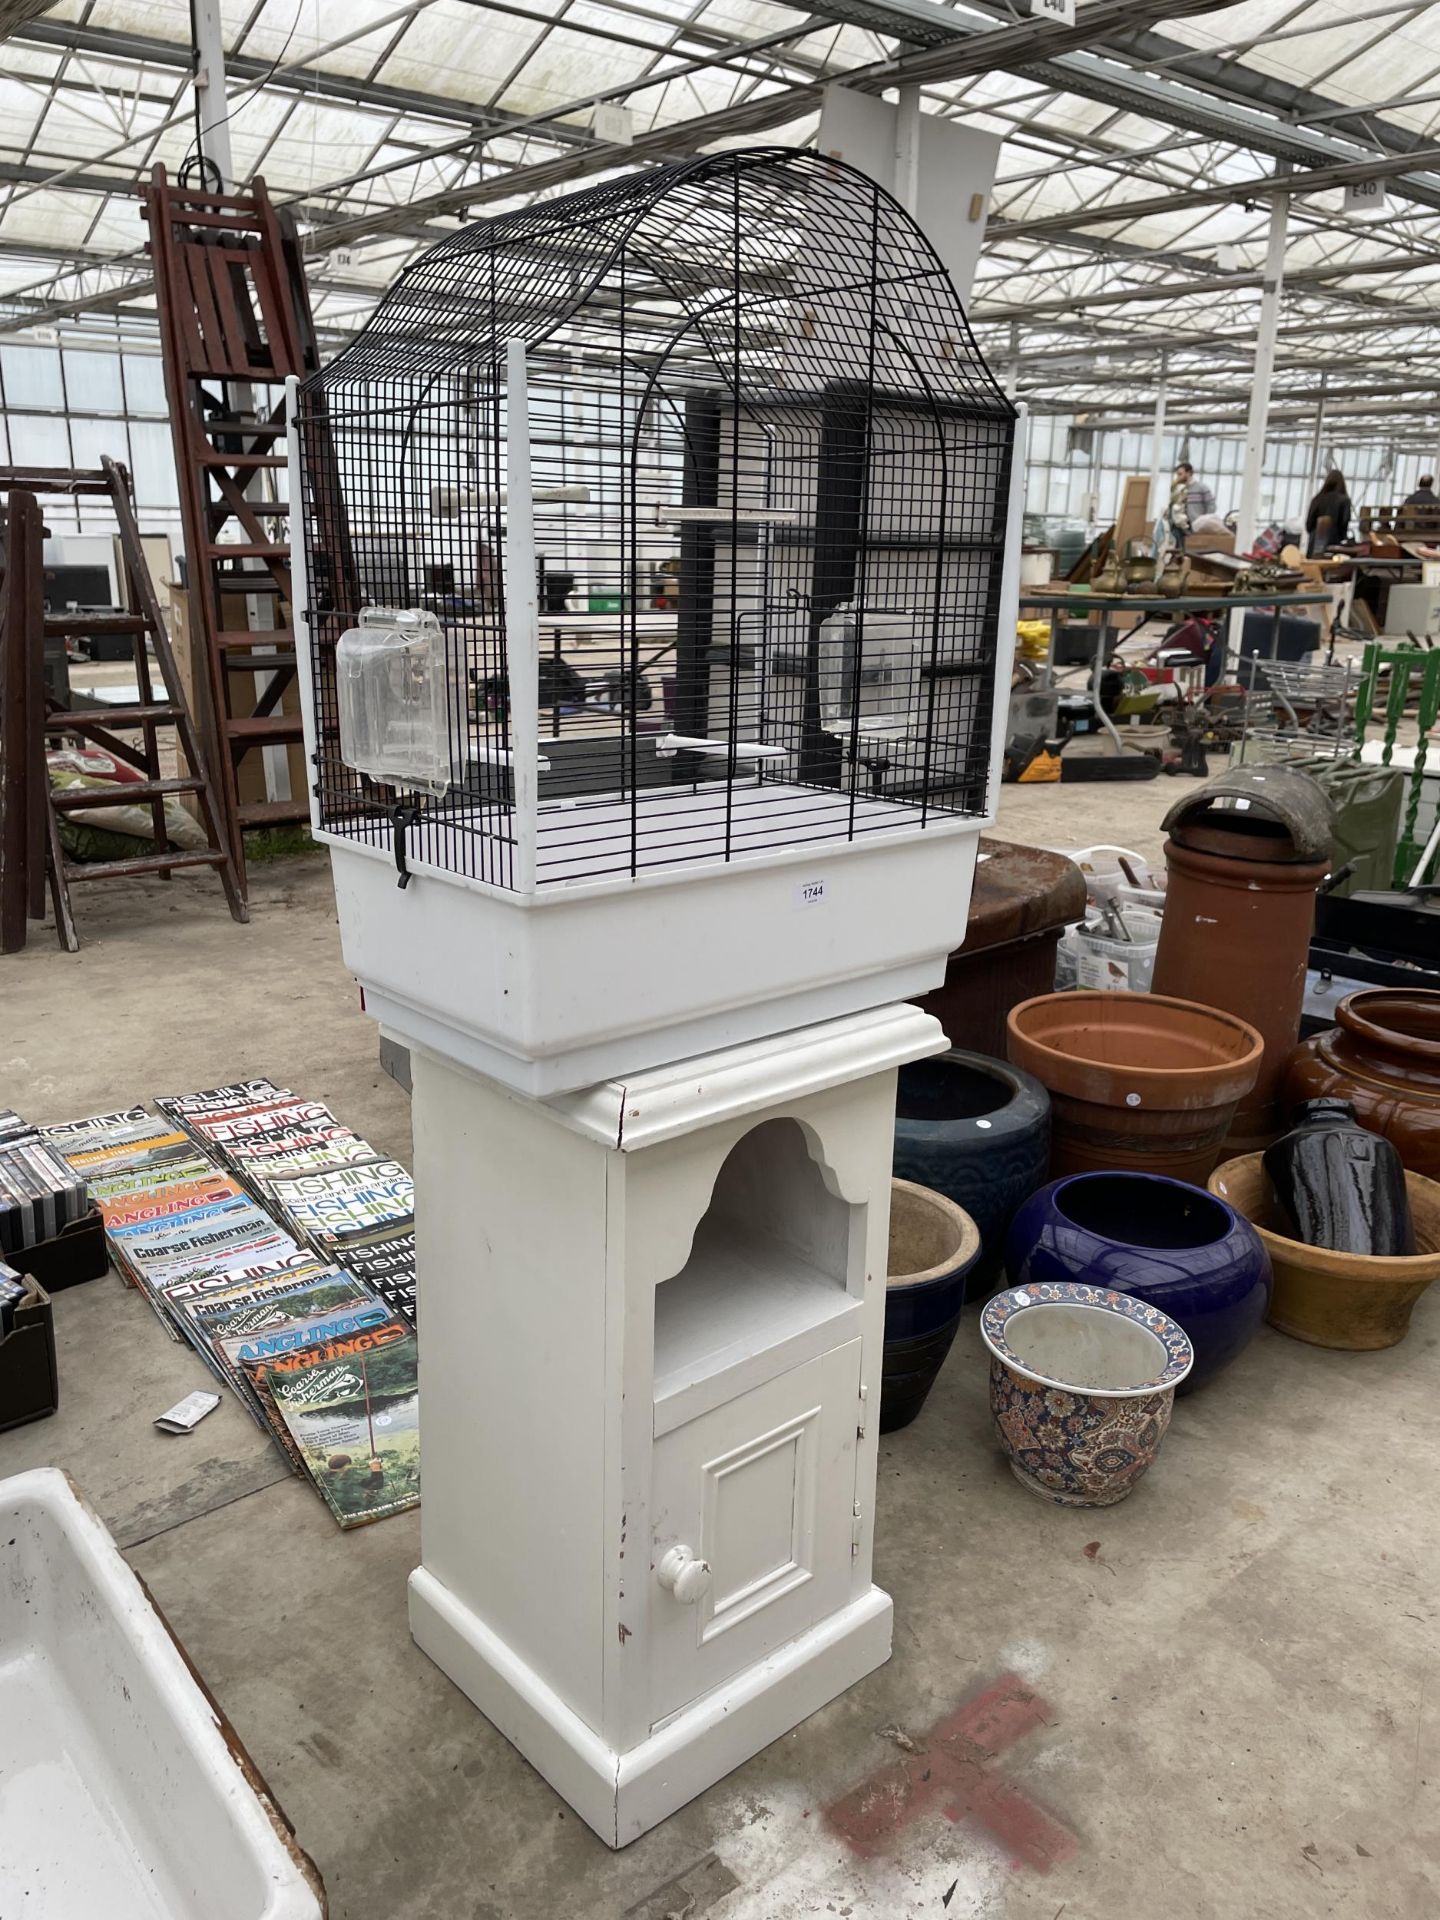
(622, 1795)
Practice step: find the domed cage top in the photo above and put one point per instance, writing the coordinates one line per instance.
(658, 525)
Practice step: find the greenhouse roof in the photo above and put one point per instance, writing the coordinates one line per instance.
(1127, 230)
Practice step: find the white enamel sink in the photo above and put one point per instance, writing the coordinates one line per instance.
(122, 1792)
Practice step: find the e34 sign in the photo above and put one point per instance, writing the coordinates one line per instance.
(1061, 10)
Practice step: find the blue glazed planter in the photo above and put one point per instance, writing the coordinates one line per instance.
(933, 1248)
(978, 1131)
(1159, 1240)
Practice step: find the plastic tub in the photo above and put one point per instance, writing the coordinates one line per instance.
(1104, 873)
(1108, 965)
(122, 1791)
(1150, 898)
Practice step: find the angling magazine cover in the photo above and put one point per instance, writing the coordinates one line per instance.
(356, 1424)
(193, 1231)
(306, 1156)
(215, 1278)
(178, 1172)
(284, 1297)
(252, 1241)
(245, 1093)
(386, 1266)
(150, 1207)
(225, 1132)
(97, 1123)
(245, 1355)
(356, 1326)
(328, 1206)
(156, 1144)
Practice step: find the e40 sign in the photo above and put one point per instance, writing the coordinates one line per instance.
(1365, 196)
(1061, 10)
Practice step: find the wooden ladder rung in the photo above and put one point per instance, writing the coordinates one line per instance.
(273, 813)
(108, 717)
(79, 799)
(179, 201)
(266, 729)
(216, 457)
(143, 863)
(258, 663)
(78, 625)
(249, 550)
(249, 583)
(230, 639)
(257, 429)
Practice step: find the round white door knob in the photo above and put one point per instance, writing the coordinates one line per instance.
(686, 1577)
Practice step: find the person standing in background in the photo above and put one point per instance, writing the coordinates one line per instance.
(1189, 500)
(1328, 521)
(1424, 495)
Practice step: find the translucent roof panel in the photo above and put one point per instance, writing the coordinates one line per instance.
(386, 126)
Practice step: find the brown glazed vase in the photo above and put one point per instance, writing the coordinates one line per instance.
(1236, 934)
(1383, 1056)
(1138, 1082)
(1354, 1301)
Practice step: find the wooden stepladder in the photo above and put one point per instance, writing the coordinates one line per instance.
(235, 323)
(132, 732)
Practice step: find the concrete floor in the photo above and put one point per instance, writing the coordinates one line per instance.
(1233, 1665)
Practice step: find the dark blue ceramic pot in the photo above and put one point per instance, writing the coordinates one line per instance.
(978, 1131)
(933, 1248)
(1164, 1241)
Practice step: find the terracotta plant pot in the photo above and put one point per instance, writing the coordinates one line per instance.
(1082, 1386)
(1354, 1301)
(978, 1131)
(1164, 1241)
(1383, 1056)
(1218, 906)
(933, 1246)
(1138, 1082)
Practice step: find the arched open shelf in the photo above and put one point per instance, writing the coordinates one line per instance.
(775, 1272)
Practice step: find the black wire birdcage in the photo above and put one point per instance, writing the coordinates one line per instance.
(746, 596)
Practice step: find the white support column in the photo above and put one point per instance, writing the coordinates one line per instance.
(1317, 442)
(1264, 371)
(1012, 365)
(1159, 492)
(522, 617)
(907, 150)
(210, 91)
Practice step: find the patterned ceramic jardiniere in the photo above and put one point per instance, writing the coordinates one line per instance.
(1082, 1385)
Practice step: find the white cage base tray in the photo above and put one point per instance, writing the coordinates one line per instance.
(622, 1795)
(121, 1793)
(569, 986)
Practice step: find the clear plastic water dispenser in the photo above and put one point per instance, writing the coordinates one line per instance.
(391, 688)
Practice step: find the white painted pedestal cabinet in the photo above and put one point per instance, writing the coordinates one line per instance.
(651, 1318)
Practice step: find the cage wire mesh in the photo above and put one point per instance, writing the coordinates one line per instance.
(770, 476)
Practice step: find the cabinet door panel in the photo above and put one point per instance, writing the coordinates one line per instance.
(762, 1489)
